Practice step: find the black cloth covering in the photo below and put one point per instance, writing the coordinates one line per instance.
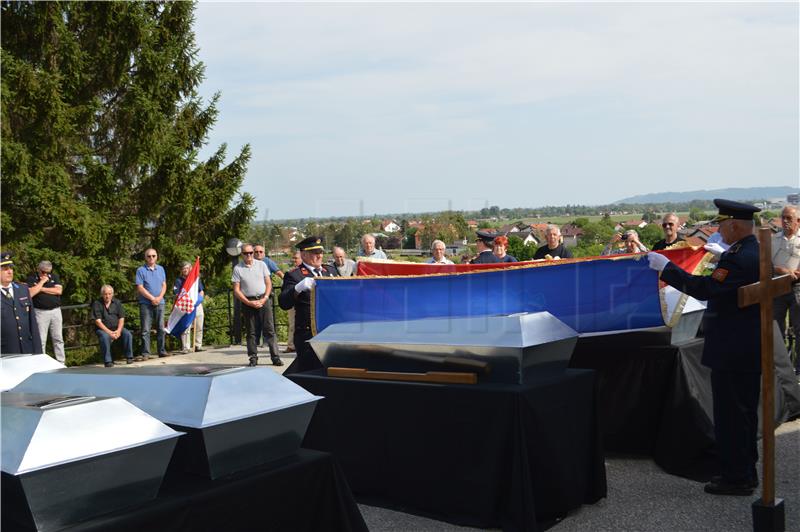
(486, 455)
(654, 398)
(306, 491)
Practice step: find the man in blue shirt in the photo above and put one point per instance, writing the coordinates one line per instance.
(151, 284)
(266, 325)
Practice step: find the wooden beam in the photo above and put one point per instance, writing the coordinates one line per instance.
(751, 293)
(442, 377)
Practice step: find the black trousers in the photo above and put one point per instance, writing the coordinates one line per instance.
(736, 423)
(266, 328)
(250, 319)
(306, 359)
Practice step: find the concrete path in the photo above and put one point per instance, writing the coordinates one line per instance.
(641, 497)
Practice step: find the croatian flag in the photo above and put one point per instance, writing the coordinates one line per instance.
(185, 306)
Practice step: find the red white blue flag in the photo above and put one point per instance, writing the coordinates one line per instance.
(186, 303)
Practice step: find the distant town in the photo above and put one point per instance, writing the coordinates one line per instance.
(585, 229)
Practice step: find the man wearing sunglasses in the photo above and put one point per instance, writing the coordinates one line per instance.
(151, 284)
(669, 224)
(252, 286)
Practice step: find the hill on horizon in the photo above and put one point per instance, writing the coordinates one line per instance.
(737, 194)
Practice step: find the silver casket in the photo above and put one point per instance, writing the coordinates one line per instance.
(505, 349)
(235, 418)
(69, 458)
(16, 368)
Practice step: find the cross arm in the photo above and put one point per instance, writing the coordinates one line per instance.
(751, 293)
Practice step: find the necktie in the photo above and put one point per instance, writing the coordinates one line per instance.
(7, 293)
(317, 272)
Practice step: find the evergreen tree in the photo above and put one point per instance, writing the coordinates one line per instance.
(101, 129)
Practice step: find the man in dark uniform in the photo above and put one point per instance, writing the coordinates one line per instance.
(19, 333)
(484, 243)
(296, 293)
(732, 345)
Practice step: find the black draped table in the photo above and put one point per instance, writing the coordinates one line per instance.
(653, 398)
(304, 492)
(483, 455)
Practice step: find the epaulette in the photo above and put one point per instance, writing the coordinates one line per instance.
(303, 270)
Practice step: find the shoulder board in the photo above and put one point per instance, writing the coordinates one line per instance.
(304, 271)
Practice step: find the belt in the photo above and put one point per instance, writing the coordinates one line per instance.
(254, 298)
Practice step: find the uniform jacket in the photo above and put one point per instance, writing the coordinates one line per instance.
(18, 329)
(300, 302)
(485, 257)
(733, 337)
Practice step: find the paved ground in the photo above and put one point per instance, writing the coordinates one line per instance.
(641, 497)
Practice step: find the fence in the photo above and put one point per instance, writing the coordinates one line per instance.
(221, 326)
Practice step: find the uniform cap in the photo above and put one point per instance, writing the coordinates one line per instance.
(311, 243)
(734, 210)
(485, 237)
(6, 259)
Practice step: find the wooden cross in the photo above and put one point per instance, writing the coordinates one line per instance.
(763, 292)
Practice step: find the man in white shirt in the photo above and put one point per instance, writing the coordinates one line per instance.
(786, 261)
(437, 253)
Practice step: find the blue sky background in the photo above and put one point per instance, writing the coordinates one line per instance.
(355, 109)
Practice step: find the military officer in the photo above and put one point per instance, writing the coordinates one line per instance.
(732, 345)
(296, 293)
(484, 243)
(19, 333)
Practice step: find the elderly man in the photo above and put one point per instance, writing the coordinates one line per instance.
(630, 244)
(296, 294)
(266, 325)
(484, 243)
(669, 224)
(151, 284)
(252, 286)
(109, 320)
(46, 289)
(786, 261)
(19, 332)
(368, 248)
(554, 248)
(732, 347)
(437, 253)
(344, 267)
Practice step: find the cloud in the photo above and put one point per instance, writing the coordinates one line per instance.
(440, 98)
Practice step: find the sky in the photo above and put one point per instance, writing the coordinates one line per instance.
(370, 108)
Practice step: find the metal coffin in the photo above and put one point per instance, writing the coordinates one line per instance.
(69, 458)
(505, 349)
(235, 418)
(16, 368)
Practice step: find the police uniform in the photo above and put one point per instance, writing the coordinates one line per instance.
(306, 359)
(733, 352)
(19, 333)
(486, 256)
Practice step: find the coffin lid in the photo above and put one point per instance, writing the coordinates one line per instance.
(16, 368)
(44, 430)
(189, 395)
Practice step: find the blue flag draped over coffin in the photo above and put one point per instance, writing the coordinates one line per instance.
(589, 296)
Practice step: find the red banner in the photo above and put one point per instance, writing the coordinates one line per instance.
(688, 258)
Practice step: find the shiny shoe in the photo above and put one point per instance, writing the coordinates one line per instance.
(717, 479)
(276, 361)
(725, 487)
(253, 362)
